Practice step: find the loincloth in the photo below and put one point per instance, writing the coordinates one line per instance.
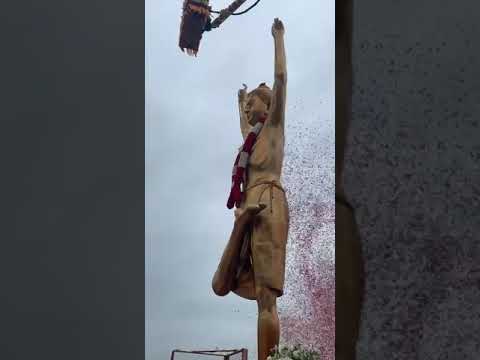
(263, 254)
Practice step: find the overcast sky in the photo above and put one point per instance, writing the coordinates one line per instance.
(192, 134)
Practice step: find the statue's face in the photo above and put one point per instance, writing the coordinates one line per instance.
(256, 107)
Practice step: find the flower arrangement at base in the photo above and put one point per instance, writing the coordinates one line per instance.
(297, 352)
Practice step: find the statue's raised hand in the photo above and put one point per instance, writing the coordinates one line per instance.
(242, 93)
(277, 28)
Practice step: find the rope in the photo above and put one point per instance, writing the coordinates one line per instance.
(271, 185)
(241, 12)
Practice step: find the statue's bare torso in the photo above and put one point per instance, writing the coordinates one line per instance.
(266, 161)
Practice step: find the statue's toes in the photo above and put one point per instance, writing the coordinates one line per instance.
(255, 209)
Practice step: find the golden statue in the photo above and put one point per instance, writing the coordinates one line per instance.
(253, 263)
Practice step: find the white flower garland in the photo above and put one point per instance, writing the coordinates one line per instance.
(297, 352)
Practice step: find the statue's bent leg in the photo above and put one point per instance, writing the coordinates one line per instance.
(227, 268)
(245, 285)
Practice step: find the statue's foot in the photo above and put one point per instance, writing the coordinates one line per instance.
(247, 214)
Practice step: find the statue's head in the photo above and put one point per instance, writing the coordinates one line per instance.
(258, 103)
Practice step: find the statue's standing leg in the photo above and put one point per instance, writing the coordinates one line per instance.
(348, 274)
(268, 332)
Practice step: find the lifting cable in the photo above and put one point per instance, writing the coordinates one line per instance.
(241, 12)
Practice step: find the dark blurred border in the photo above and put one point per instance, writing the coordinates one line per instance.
(348, 257)
(415, 96)
(72, 180)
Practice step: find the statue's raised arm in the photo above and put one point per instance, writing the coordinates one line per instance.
(280, 75)
(242, 100)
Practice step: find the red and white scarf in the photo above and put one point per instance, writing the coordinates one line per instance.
(239, 173)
